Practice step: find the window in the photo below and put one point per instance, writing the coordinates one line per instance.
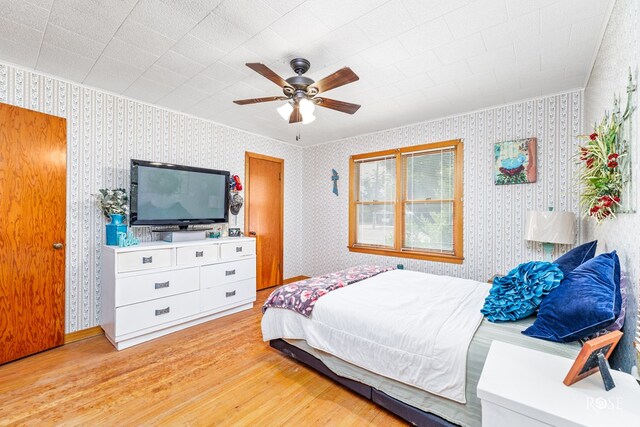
(408, 202)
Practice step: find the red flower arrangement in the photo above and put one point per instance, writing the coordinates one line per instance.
(600, 175)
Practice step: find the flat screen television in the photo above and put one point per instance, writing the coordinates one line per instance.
(168, 194)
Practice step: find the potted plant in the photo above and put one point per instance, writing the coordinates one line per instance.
(113, 203)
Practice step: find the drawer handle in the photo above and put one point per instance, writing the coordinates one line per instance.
(162, 285)
(162, 311)
(238, 248)
(199, 254)
(147, 259)
(230, 272)
(230, 294)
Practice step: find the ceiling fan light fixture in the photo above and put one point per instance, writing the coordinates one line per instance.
(285, 110)
(306, 107)
(308, 118)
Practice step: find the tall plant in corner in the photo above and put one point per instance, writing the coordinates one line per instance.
(600, 173)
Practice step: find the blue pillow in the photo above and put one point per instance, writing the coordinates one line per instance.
(576, 256)
(586, 301)
(519, 293)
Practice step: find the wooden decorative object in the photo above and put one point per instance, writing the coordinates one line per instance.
(587, 362)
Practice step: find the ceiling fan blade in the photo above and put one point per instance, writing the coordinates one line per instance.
(340, 78)
(345, 107)
(258, 100)
(268, 73)
(295, 116)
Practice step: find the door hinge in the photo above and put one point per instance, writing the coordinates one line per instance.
(279, 176)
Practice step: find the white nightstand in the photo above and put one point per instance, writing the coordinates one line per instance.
(523, 387)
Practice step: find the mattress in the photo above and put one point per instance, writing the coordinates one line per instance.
(399, 324)
(468, 414)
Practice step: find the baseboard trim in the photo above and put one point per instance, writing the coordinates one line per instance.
(294, 279)
(83, 334)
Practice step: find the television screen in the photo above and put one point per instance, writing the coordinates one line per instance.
(166, 194)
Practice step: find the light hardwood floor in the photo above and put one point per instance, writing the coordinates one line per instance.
(218, 373)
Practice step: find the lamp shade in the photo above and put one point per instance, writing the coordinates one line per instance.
(551, 227)
(285, 110)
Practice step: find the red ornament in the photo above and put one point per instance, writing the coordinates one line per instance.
(590, 162)
(612, 164)
(613, 156)
(236, 179)
(593, 136)
(616, 199)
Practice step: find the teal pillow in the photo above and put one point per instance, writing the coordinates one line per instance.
(586, 301)
(519, 293)
(576, 256)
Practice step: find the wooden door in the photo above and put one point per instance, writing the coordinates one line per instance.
(33, 157)
(264, 210)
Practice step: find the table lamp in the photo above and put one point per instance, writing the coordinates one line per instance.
(550, 227)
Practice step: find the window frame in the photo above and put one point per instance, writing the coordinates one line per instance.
(400, 201)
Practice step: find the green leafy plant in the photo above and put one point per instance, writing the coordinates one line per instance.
(600, 173)
(113, 201)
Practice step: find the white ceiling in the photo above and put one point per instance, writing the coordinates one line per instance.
(417, 59)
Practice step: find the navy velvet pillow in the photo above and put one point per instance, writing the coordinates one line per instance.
(576, 256)
(586, 301)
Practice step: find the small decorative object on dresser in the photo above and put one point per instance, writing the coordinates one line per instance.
(593, 357)
(234, 232)
(113, 203)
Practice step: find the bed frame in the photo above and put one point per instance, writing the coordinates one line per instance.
(407, 412)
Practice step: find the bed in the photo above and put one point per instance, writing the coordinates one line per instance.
(440, 387)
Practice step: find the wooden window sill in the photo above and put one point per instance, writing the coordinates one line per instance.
(408, 254)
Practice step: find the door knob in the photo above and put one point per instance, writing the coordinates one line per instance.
(57, 245)
(252, 233)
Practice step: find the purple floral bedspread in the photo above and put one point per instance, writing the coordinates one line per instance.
(302, 296)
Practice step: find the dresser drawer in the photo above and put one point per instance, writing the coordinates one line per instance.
(217, 274)
(197, 255)
(146, 314)
(130, 290)
(228, 294)
(143, 260)
(237, 249)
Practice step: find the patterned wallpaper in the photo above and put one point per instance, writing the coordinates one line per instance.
(494, 216)
(618, 51)
(104, 131)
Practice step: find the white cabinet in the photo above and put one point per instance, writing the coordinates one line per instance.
(157, 288)
(523, 387)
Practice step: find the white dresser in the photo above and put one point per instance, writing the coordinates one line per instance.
(157, 288)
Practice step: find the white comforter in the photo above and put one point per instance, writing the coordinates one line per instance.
(412, 327)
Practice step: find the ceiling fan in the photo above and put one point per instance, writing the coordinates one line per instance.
(300, 91)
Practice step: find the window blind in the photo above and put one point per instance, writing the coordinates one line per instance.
(376, 201)
(429, 200)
